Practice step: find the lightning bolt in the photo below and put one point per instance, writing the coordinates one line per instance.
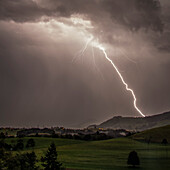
(100, 47)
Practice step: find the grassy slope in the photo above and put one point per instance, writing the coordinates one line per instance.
(108, 154)
(156, 134)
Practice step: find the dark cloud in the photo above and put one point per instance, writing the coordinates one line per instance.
(134, 14)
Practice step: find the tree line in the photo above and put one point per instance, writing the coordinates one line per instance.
(19, 145)
(28, 160)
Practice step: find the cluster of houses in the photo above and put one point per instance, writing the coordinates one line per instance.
(61, 131)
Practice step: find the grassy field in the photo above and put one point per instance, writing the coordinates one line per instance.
(104, 155)
(155, 135)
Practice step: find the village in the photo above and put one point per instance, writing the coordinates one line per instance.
(89, 133)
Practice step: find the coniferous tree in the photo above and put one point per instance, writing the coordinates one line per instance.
(2, 156)
(31, 160)
(19, 145)
(49, 161)
(30, 143)
(25, 161)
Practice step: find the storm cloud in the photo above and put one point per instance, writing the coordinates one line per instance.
(134, 14)
(42, 83)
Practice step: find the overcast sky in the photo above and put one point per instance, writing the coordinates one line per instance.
(48, 78)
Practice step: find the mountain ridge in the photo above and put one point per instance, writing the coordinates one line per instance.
(137, 123)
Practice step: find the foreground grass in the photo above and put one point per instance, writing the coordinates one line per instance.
(104, 155)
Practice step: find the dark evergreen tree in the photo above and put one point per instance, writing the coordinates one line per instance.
(32, 159)
(19, 145)
(2, 135)
(49, 161)
(2, 155)
(133, 159)
(12, 163)
(30, 143)
(24, 161)
(2, 143)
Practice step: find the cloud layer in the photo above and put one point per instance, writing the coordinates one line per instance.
(134, 14)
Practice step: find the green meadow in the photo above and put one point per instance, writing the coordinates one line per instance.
(155, 135)
(105, 155)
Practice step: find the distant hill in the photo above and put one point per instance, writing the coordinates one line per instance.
(138, 123)
(154, 135)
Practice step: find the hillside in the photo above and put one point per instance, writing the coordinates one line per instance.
(154, 135)
(138, 123)
(104, 155)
